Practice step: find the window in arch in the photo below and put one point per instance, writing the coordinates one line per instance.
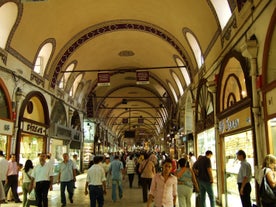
(184, 71)
(64, 78)
(4, 112)
(43, 58)
(178, 83)
(233, 84)
(8, 14)
(75, 85)
(196, 49)
(173, 92)
(223, 11)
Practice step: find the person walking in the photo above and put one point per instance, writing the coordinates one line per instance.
(163, 189)
(3, 173)
(67, 178)
(12, 178)
(116, 169)
(243, 179)
(147, 170)
(205, 178)
(96, 182)
(42, 180)
(268, 170)
(27, 172)
(2, 193)
(130, 169)
(186, 183)
(106, 166)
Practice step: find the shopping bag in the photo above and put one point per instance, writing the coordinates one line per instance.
(197, 201)
(31, 195)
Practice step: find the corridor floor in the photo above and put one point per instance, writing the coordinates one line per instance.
(132, 197)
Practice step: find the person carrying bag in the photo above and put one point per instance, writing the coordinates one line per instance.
(268, 184)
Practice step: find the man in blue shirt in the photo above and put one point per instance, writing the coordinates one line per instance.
(67, 178)
(116, 169)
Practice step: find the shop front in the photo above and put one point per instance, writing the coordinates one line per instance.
(6, 132)
(6, 119)
(32, 128)
(60, 139)
(33, 140)
(236, 133)
(206, 141)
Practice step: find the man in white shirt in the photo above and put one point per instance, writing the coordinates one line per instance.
(96, 182)
(42, 175)
(4, 169)
(67, 178)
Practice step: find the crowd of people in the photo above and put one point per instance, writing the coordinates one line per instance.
(37, 179)
(162, 179)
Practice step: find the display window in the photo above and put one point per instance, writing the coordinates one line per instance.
(271, 126)
(30, 147)
(234, 143)
(206, 141)
(3, 143)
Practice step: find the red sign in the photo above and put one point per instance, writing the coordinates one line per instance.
(142, 77)
(103, 79)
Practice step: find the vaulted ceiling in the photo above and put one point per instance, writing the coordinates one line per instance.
(120, 38)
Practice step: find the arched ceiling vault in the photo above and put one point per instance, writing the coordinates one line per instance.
(118, 37)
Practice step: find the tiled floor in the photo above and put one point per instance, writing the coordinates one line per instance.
(131, 197)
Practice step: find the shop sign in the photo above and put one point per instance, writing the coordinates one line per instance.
(103, 79)
(33, 128)
(235, 121)
(63, 132)
(6, 127)
(77, 135)
(142, 77)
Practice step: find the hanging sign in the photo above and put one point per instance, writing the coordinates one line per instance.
(125, 120)
(142, 77)
(103, 79)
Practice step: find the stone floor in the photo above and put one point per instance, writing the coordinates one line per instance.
(132, 197)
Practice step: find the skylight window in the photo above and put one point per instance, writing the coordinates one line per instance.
(184, 71)
(173, 92)
(43, 58)
(64, 79)
(75, 85)
(196, 49)
(178, 83)
(8, 14)
(223, 11)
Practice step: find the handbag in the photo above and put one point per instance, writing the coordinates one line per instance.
(267, 194)
(197, 200)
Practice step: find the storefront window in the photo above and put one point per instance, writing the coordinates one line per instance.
(271, 125)
(206, 141)
(234, 143)
(30, 146)
(3, 143)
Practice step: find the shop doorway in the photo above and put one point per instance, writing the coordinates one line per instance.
(232, 144)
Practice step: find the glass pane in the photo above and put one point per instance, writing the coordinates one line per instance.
(30, 147)
(234, 143)
(271, 126)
